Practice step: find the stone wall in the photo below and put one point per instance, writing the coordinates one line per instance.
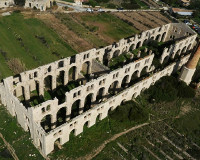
(30, 117)
(6, 3)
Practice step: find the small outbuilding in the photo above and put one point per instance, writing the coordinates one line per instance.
(181, 12)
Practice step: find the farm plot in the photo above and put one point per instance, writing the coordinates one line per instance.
(98, 29)
(143, 20)
(151, 3)
(156, 141)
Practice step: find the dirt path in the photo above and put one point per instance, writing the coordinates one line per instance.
(102, 146)
(9, 147)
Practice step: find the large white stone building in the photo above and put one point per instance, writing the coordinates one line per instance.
(51, 121)
(6, 3)
(42, 5)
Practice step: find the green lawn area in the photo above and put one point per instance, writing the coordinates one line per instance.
(29, 40)
(113, 26)
(17, 137)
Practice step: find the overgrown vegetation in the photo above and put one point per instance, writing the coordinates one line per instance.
(59, 93)
(16, 65)
(130, 111)
(28, 42)
(119, 61)
(168, 89)
(20, 2)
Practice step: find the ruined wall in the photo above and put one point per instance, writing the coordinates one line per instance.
(6, 3)
(24, 83)
(100, 111)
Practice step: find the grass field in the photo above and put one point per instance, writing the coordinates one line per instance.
(30, 41)
(110, 25)
(98, 29)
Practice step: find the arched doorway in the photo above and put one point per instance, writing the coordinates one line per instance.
(75, 108)
(132, 47)
(125, 82)
(144, 71)
(105, 59)
(86, 125)
(60, 78)
(138, 45)
(61, 116)
(46, 123)
(114, 88)
(100, 94)
(88, 102)
(134, 78)
(57, 144)
(163, 37)
(86, 68)
(48, 82)
(116, 53)
(72, 73)
(158, 37)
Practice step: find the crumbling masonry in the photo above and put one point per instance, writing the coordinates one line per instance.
(52, 121)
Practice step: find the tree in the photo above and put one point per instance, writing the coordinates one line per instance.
(92, 3)
(195, 4)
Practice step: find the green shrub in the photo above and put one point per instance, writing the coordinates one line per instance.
(111, 5)
(130, 5)
(185, 91)
(168, 88)
(130, 111)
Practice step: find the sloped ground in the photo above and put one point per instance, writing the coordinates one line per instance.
(143, 20)
(29, 43)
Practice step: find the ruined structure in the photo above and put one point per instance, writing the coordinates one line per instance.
(6, 3)
(58, 99)
(42, 5)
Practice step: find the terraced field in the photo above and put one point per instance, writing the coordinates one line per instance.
(143, 20)
(156, 141)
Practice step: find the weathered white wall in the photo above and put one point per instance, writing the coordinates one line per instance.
(6, 3)
(29, 118)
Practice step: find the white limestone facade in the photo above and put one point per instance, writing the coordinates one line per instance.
(6, 3)
(31, 117)
(42, 5)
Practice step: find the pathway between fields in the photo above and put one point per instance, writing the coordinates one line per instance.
(102, 146)
(9, 147)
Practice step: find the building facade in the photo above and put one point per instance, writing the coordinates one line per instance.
(42, 5)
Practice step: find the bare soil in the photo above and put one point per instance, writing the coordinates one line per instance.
(143, 20)
(67, 35)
